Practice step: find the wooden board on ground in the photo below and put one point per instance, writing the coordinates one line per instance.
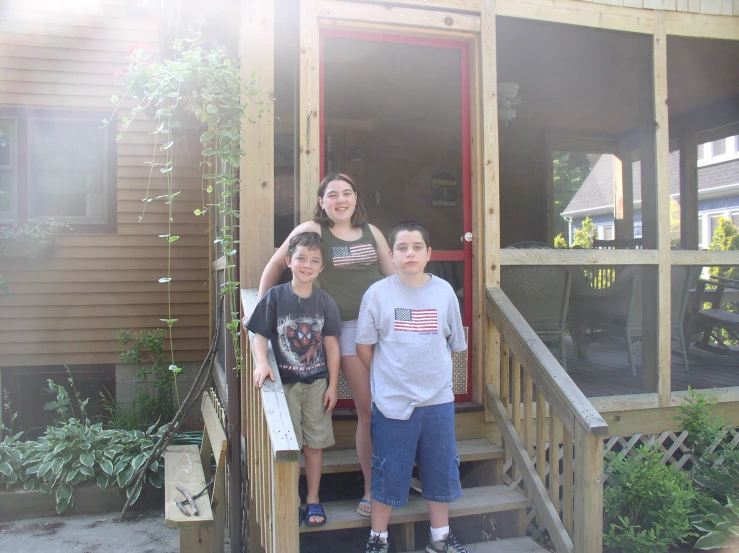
(184, 468)
(475, 501)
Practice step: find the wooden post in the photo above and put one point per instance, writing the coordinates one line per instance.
(656, 344)
(310, 121)
(284, 529)
(623, 196)
(256, 199)
(490, 179)
(588, 501)
(688, 189)
(548, 170)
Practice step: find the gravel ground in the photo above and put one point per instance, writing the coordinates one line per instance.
(99, 533)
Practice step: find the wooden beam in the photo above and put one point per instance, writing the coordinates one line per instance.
(704, 257)
(702, 26)
(577, 12)
(583, 143)
(656, 345)
(689, 190)
(577, 257)
(489, 246)
(257, 164)
(309, 127)
(394, 15)
(588, 492)
(623, 196)
(548, 180)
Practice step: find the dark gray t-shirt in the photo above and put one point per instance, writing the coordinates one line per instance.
(414, 331)
(296, 327)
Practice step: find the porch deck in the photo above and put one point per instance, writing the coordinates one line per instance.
(606, 371)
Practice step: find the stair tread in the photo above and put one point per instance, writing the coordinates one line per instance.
(346, 460)
(475, 501)
(513, 545)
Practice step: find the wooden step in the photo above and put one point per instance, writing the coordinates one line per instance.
(475, 501)
(514, 545)
(346, 460)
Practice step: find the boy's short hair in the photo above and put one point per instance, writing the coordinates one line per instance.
(410, 226)
(310, 240)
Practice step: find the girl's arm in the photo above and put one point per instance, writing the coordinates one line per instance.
(387, 267)
(277, 264)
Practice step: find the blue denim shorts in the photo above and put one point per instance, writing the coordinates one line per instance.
(427, 438)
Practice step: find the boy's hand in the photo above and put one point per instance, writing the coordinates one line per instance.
(261, 372)
(330, 398)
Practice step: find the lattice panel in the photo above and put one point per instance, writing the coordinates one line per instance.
(671, 444)
(460, 364)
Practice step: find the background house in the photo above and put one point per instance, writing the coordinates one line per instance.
(718, 192)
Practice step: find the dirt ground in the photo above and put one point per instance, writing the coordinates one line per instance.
(99, 533)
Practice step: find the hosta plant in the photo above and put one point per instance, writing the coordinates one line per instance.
(75, 451)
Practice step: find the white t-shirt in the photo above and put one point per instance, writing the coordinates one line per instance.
(414, 330)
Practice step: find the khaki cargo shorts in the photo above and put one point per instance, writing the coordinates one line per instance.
(313, 427)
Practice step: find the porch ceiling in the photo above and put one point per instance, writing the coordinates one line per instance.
(583, 80)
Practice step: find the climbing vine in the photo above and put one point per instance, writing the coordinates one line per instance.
(198, 90)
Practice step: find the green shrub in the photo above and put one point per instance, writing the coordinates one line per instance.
(715, 471)
(74, 451)
(647, 504)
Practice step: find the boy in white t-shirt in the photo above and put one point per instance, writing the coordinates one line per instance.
(408, 326)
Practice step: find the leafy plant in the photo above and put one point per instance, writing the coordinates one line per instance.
(647, 504)
(560, 242)
(203, 87)
(715, 470)
(154, 402)
(33, 231)
(74, 451)
(585, 235)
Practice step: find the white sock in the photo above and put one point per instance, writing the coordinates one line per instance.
(382, 535)
(439, 534)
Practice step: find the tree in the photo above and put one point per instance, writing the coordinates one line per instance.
(569, 171)
(585, 235)
(560, 242)
(725, 237)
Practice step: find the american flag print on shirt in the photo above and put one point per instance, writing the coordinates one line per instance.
(416, 320)
(359, 254)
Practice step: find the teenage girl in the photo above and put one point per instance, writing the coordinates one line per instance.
(358, 256)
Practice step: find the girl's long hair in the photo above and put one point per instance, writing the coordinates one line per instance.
(359, 217)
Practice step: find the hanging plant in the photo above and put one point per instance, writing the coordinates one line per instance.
(199, 88)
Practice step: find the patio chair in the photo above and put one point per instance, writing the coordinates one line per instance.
(617, 310)
(541, 294)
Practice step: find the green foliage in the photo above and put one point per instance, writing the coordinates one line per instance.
(585, 235)
(560, 242)
(33, 231)
(74, 451)
(4, 285)
(205, 88)
(154, 401)
(569, 171)
(715, 471)
(725, 237)
(647, 504)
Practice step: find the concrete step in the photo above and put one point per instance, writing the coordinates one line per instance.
(513, 545)
(346, 460)
(475, 501)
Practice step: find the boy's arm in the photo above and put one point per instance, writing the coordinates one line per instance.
(333, 360)
(365, 353)
(262, 368)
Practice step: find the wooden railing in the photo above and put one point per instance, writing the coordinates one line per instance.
(538, 407)
(272, 454)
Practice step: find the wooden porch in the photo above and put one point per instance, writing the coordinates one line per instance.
(606, 371)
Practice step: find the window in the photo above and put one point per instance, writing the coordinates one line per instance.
(719, 147)
(713, 223)
(701, 244)
(735, 218)
(700, 152)
(608, 233)
(57, 165)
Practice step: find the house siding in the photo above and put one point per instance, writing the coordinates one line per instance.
(67, 309)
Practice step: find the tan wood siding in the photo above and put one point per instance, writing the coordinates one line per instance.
(67, 309)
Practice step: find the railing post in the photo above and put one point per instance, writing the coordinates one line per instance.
(285, 518)
(588, 536)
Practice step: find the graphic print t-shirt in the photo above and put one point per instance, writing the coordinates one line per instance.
(296, 327)
(414, 331)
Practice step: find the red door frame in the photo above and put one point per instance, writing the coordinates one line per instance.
(465, 254)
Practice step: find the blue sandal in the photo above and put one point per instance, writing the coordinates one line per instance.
(314, 510)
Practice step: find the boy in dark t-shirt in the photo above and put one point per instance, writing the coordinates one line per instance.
(303, 324)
